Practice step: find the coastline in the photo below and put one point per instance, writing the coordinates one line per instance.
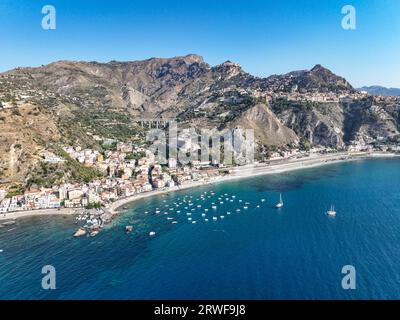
(259, 170)
(243, 172)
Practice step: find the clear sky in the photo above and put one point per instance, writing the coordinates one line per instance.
(265, 37)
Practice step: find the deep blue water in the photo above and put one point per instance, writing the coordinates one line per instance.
(296, 252)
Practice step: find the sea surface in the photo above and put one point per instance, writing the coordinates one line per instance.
(296, 252)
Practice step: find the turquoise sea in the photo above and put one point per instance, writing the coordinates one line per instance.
(296, 252)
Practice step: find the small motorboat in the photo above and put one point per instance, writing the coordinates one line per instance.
(152, 233)
(280, 203)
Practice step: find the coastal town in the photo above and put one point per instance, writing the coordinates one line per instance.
(130, 169)
(125, 176)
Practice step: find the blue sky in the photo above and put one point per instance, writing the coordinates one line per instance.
(265, 37)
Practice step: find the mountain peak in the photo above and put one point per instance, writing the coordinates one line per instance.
(320, 68)
(229, 63)
(321, 76)
(193, 58)
(228, 69)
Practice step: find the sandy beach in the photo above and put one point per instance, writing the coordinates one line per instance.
(40, 212)
(274, 167)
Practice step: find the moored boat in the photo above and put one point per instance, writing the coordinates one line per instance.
(331, 212)
(280, 203)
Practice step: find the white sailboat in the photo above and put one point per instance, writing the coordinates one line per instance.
(331, 211)
(280, 203)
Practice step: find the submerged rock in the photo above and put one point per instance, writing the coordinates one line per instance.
(80, 232)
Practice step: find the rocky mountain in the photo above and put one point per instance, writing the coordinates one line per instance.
(382, 91)
(318, 79)
(83, 103)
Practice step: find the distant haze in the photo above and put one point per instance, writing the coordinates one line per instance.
(382, 91)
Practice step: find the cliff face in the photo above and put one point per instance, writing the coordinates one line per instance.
(267, 127)
(318, 123)
(70, 102)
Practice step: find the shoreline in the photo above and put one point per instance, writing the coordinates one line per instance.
(249, 171)
(257, 170)
(38, 212)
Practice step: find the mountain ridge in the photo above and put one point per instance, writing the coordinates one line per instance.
(379, 90)
(82, 103)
